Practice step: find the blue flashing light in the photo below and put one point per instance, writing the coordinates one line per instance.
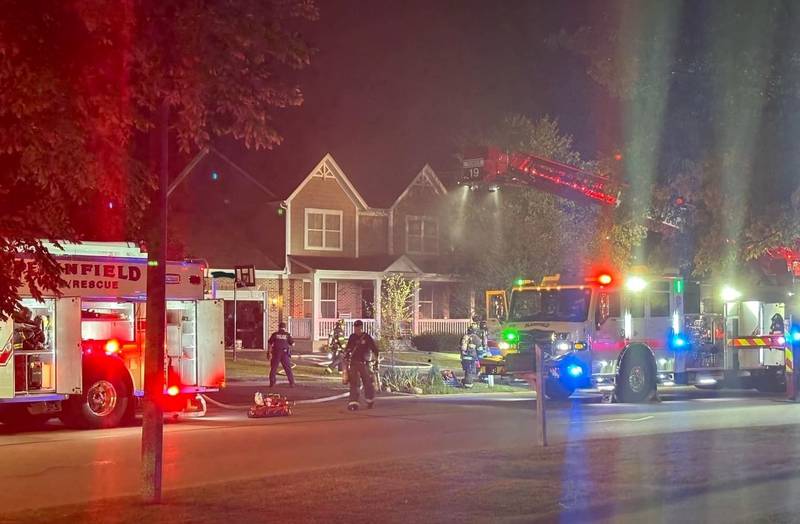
(678, 341)
(796, 336)
(214, 175)
(574, 370)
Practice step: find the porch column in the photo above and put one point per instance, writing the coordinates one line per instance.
(315, 309)
(416, 307)
(472, 303)
(376, 304)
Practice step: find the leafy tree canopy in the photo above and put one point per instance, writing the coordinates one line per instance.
(83, 81)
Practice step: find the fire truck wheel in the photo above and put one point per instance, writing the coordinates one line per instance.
(556, 390)
(636, 380)
(103, 404)
(18, 417)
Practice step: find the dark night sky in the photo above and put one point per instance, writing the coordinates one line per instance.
(390, 88)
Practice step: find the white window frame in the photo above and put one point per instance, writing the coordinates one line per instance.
(335, 299)
(308, 301)
(422, 304)
(422, 219)
(323, 212)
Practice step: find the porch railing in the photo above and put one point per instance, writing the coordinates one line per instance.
(300, 327)
(446, 326)
(326, 325)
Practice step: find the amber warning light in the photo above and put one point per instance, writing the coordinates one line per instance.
(604, 279)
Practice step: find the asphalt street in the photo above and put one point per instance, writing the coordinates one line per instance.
(55, 466)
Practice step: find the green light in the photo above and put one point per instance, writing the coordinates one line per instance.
(510, 336)
(152, 263)
(519, 282)
(678, 286)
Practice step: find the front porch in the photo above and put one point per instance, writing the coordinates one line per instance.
(328, 295)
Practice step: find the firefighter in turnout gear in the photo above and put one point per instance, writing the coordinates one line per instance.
(337, 342)
(360, 354)
(470, 343)
(280, 348)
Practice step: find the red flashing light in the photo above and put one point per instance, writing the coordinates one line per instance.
(604, 279)
(112, 346)
(173, 391)
(617, 156)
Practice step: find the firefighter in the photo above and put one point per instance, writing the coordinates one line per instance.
(280, 350)
(360, 355)
(337, 341)
(470, 343)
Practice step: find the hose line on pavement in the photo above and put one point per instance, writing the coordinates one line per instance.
(245, 406)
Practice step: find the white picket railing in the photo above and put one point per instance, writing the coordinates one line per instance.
(326, 325)
(300, 328)
(449, 326)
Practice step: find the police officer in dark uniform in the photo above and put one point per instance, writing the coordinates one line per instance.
(470, 343)
(280, 346)
(360, 353)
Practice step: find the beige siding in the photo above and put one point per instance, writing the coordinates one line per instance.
(373, 235)
(418, 202)
(321, 193)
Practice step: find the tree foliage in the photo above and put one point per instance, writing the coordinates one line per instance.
(397, 293)
(82, 83)
(708, 97)
(527, 233)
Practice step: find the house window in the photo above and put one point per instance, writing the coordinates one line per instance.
(422, 235)
(323, 229)
(425, 301)
(327, 300)
(308, 303)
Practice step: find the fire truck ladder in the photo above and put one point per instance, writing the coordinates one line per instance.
(494, 168)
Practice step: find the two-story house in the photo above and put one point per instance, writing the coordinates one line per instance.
(321, 252)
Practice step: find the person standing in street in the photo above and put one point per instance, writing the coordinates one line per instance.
(360, 353)
(280, 351)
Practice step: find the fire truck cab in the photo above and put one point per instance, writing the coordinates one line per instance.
(80, 355)
(596, 332)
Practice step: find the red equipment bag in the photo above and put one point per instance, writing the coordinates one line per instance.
(272, 405)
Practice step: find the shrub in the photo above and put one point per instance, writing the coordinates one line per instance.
(437, 342)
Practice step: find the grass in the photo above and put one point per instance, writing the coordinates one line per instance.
(248, 368)
(441, 360)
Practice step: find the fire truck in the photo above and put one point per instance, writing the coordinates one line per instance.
(79, 354)
(647, 331)
(627, 335)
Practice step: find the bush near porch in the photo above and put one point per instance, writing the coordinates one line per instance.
(439, 342)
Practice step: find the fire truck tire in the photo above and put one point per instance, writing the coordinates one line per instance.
(556, 390)
(770, 383)
(18, 417)
(103, 404)
(636, 380)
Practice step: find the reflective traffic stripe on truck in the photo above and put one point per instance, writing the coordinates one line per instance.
(773, 341)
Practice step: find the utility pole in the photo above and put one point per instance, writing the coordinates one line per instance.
(153, 420)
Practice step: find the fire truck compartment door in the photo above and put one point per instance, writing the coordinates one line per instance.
(496, 308)
(210, 343)
(6, 359)
(69, 376)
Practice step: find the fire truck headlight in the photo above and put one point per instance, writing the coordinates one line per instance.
(503, 345)
(636, 284)
(563, 345)
(730, 294)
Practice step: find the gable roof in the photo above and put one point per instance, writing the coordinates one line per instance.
(330, 164)
(426, 174)
(376, 263)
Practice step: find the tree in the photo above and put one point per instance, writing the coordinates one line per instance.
(708, 98)
(526, 233)
(83, 83)
(397, 293)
